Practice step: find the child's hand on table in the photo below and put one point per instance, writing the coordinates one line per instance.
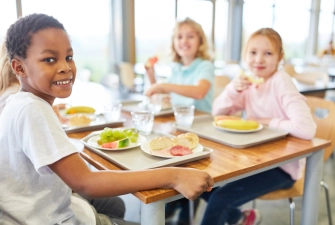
(192, 183)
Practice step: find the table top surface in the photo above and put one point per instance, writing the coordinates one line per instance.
(224, 162)
(318, 86)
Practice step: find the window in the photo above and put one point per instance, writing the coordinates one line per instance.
(221, 26)
(326, 24)
(289, 18)
(87, 23)
(7, 16)
(153, 29)
(292, 23)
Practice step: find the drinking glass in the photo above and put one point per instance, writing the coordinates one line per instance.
(112, 111)
(143, 121)
(183, 115)
(156, 103)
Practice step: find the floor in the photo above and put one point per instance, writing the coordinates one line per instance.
(273, 212)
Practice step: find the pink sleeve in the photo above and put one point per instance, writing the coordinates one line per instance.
(228, 102)
(299, 121)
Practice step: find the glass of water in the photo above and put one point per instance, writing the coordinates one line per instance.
(184, 115)
(112, 111)
(143, 121)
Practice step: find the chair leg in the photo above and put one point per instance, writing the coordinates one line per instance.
(292, 206)
(254, 204)
(191, 211)
(325, 186)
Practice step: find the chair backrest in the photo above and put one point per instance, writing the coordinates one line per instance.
(127, 74)
(288, 68)
(323, 112)
(220, 83)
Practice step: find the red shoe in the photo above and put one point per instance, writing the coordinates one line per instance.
(250, 217)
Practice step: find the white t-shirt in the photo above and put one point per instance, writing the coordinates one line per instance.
(31, 138)
(14, 88)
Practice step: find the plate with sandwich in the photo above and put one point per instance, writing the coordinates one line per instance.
(166, 147)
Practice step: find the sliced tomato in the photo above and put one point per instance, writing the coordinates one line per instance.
(179, 150)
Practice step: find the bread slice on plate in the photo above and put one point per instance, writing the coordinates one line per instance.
(160, 143)
(189, 140)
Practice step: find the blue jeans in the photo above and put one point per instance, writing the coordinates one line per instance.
(223, 202)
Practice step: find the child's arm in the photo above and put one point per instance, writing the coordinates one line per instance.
(298, 120)
(149, 67)
(230, 101)
(197, 91)
(151, 74)
(75, 173)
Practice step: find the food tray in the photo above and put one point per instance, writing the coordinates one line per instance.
(130, 106)
(203, 127)
(97, 124)
(136, 159)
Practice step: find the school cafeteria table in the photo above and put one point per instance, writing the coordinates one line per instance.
(318, 89)
(227, 164)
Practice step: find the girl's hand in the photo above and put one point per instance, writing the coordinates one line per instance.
(241, 82)
(151, 74)
(154, 89)
(192, 183)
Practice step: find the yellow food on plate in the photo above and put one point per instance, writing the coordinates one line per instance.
(160, 143)
(79, 120)
(79, 109)
(224, 117)
(238, 124)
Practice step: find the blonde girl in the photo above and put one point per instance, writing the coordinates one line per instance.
(9, 84)
(192, 75)
(275, 103)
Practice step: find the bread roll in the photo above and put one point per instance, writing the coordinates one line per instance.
(79, 120)
(189, 140)
(160, 143)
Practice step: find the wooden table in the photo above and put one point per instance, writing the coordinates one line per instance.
(227, 164)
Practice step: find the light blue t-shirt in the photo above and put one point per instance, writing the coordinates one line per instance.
(198, 70)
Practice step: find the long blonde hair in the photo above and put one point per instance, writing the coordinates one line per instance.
(7, 76)
(272, 36)
(203, 47)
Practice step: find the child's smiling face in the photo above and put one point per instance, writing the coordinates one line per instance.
(262, 57)
(186, 42)
(48, 71)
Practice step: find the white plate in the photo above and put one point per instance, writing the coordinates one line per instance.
(92, 141)
(146, 148)
(260, 127)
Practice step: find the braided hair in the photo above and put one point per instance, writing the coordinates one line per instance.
(19, 34)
